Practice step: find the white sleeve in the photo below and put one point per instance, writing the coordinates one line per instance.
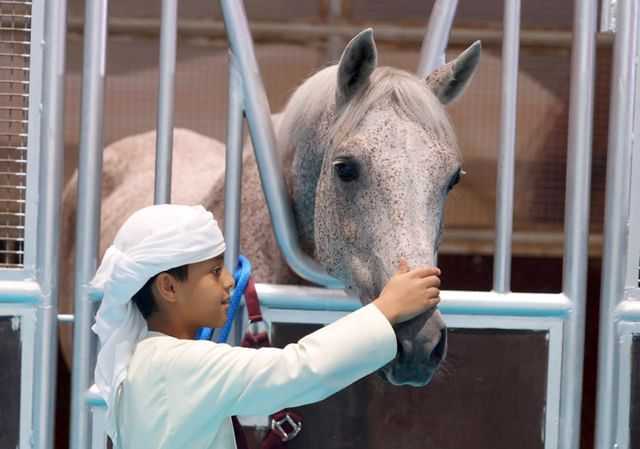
(215, 378)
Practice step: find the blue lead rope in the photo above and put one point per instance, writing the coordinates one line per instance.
(241, 277)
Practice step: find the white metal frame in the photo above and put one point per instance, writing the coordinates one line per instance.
(552, 325)
(36, 84)
(562, 314)
(620, 292)
(626, 332)
(33, 149)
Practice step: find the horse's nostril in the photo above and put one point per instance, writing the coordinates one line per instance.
(438, 352)
(405, 350)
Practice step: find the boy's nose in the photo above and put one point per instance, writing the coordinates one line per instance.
(229, 282)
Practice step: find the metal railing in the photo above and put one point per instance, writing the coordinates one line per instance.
(40, 75)
(563, 310)
(620, 292)
(31, 162)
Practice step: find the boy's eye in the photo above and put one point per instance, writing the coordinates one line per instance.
(217, 271)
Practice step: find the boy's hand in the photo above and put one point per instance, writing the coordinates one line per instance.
(409, 293)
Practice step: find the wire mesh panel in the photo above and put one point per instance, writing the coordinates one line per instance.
(15, 37)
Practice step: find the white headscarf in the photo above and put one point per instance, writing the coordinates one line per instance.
(152, 240)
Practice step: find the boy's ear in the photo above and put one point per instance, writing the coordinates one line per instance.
(164, 288)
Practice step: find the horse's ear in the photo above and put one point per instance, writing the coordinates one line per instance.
(358, 61)
(449, 81)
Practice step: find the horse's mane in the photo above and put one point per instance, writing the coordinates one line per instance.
(406, 92)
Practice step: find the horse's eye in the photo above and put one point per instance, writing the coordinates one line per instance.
(454, 180)
(346, 169)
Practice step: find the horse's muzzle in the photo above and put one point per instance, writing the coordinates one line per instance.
(411, 366)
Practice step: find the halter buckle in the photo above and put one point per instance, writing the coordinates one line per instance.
(277, 426)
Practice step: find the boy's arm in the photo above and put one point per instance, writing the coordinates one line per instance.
(242, 381)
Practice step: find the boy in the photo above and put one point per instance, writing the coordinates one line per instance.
(163, 278)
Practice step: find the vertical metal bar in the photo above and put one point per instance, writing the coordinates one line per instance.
(434, 45)
(608, 16)
(616, 213)
(506, 161)
(264, 142)
(51, 171)
(33, 114)
(88, 214)
(233, 167)
(576, 221)
(166, 94)
(233, 181)
(99, 435)
(632, 278)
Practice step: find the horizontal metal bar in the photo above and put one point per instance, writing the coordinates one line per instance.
(303, 32)
(20, 16)
(2, 251)
(457, 302)
(5, 42)
(15, 29)
(13, 94)
(481, 235)
(21, 69)
(305, 298)
(65, 318)
(17, 147)
(12, 214)
(13, 187)
(18, 82)
(19, 291)
(453, 301)
(15, 55)
(13, 108)
(19, 122)
(9, 2)
(11, 227)
(21, 135)
(504, 304)
(14, 161)
(6, 173)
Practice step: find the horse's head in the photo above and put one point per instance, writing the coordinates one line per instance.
(374, 159)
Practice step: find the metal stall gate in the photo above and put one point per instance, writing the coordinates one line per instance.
(618, 400)
(558, 319)
(31, 118)
(31, 155)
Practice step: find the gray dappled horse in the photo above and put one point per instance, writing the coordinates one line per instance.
(369, 156)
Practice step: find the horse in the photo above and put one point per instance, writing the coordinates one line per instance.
(369, 157)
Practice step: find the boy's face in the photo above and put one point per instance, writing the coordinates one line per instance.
(203, 298)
